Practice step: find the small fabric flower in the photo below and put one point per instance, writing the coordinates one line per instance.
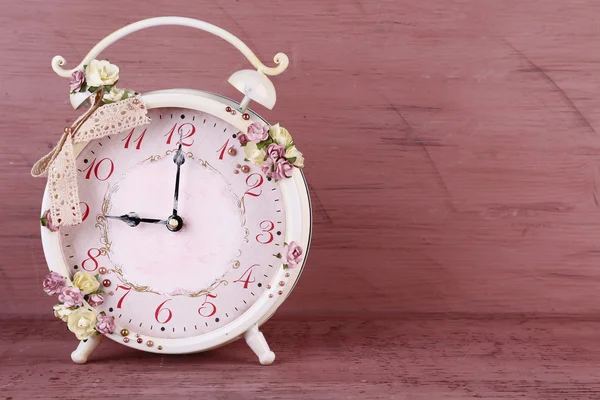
(117, 94)
(280, 135)
(86, 282)
(295, 157)
(95, 299)
(267, 167)
(54, 283)
(275, 151)
(101, 73)
(243, 138)
(281, 169)
(46, 221)
(77, 78)
(62, 312)
(291, 255)
(82, 322)
(105, 324)
(257, 132)
(71, 296)
(254, 154)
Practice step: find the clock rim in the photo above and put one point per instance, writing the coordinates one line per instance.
(296, 197)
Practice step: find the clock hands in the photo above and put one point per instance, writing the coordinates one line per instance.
(175, 223)
(133, 219)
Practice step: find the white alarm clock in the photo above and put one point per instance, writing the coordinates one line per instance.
(173, 221)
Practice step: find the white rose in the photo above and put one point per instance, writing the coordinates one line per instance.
(101, 73)
(61, 311)
(82, 322)
(254, 154)
(117, 94)
(293, 152)
(86, 282)
(280, 135)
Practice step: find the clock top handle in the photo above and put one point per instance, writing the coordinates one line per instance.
(280, 59)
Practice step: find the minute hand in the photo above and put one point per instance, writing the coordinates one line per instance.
(178, 159)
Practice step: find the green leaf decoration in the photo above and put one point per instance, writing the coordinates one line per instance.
(92, 89)
(285, 266)
(43, 221)
(292, 160)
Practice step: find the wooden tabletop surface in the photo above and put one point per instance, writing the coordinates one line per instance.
(452, 153)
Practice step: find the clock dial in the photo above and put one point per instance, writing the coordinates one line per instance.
(166, 284)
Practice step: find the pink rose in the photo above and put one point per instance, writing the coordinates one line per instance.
(267, 167)
(71, 296)
(46, 221)
(105, 324)
(95, 299)
(76, 81)
(258, 132)
(243, 139)
(292, 254)
(282, 169)
(275, 151)
(54, 283)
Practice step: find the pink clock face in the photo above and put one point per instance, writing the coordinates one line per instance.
(171, 283)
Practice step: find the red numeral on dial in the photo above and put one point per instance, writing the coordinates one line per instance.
(85, 211)
(97, 169)
(247, 274)
(208, 309)
(191, 129)
(160, 310)
(267, 227)
(254, 181)
(222, 150)
(128, 138)
(128, 288)
(91, 258)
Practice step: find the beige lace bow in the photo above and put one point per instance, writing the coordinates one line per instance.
(99, 121)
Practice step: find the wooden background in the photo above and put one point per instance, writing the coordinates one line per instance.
(453, 158)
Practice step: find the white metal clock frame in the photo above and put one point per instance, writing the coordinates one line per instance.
(294, 190)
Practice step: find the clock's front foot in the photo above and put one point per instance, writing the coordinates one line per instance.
(257, 342)
(85, 348)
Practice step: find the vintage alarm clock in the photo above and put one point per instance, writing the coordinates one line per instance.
(173, 221)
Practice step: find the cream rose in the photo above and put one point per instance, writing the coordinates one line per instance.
(293, 152)
(86, 282)
(101, 73)
(117, 94)
(254, 154)
(280, 135)
(82, 322)
(61, 311)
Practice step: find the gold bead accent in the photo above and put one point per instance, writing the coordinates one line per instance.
(124, 332)
(246, 116)
(159, 347)
(245, 169)
(232, 151)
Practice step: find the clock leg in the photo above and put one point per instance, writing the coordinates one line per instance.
(257, 342)
(80, 355)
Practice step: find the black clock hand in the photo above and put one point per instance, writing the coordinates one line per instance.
(132, 219)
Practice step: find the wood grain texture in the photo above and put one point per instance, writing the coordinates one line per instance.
(452, 154)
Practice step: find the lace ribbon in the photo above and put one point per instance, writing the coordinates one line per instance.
(59, 165)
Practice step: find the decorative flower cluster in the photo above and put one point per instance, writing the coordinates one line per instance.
(83, 321)
(96, 75)
(272, 149)
(291, 255)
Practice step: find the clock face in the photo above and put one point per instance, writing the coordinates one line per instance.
(166, 284)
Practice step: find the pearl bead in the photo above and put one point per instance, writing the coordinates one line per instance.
(235, 171)
(238, 166)
(149, 343)
(228, 109)
(140, 340)
(125, 340)
(136, 101)
(159, 347)
(271, 296)
(282, 283)
(287, 275)
(246, 116)
(68, 130)
(102, 270)
(232, 151)
(233, 112)
(124, 332)
(106, 283)
(245, 169)
(268, 286)
(137, 335)
(280, 292)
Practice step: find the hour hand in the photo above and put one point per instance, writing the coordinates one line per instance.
(133, 219)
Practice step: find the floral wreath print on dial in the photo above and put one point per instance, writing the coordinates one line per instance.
(175, 221)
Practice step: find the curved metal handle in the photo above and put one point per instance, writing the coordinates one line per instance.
(280, 59)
